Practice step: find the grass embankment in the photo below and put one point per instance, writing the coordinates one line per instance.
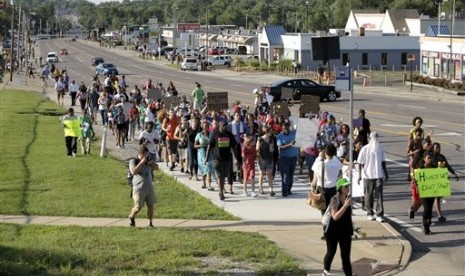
(37, 178)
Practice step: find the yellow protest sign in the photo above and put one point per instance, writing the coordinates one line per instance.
(433, 182)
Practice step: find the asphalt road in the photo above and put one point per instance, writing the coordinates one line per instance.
(390, 110)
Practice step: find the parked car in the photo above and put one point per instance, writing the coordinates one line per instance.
(63, 51)
(96, 61)
(189, 64)
(251, 57)
(106, 69)
(219, 60)
(302, 87)
(52, 57)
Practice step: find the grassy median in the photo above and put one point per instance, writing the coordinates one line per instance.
(37, 178)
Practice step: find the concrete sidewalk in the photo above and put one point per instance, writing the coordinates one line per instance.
(288, 222)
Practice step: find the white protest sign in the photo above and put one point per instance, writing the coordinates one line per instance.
(307, 130)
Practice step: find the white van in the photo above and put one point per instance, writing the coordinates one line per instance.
(52, 57)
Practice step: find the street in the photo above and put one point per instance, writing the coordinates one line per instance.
(390, 110)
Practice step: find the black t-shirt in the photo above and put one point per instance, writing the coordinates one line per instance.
(221, 145)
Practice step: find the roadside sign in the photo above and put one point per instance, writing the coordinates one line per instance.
(280, 109)
(343, 78)
(188, 26)
(309, 104)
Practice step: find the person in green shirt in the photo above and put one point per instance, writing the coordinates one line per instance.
(199, 95)
(87, 132)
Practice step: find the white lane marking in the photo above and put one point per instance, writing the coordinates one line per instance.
(448, 134)
(239, 85)
(80, 60)
(407, 126)
(404, 224)
(412, 106)
(397, 162)
(139, 67)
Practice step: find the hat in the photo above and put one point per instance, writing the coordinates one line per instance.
(330, 117)
(373, 135)
(255, 91)
(342, 183)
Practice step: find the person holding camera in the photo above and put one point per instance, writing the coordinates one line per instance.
(150, 139)
(143, 191)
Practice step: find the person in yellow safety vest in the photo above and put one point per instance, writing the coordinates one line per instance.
(72, 129)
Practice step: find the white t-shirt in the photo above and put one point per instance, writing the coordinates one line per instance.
(73, 87)
(332, 168)
(150, 136)
(372, 162)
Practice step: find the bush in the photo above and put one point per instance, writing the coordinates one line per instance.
(439, 82)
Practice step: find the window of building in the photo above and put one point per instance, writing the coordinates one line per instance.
(403, 58)
(345, 58)
(364, 58)
(384, 57)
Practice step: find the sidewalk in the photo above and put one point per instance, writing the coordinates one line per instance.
(288, 222)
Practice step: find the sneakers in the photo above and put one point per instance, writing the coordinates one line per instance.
(326, 273)
(369, 217)
(380, 219)
(245, 194)
(442, 219)
(272, 194)
(150, 225)
(254, 194)
(411, 215)
(132, 221)
(222, 196)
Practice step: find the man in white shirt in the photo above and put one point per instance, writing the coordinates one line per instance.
(150, 138)
(73, 89)
(372, 166)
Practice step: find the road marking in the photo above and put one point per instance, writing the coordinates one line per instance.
(448, 134)
(80, 60)
(407, 126)
(397, 162)
(404, 225)
(139, 67)
(412, 106)
(239, 85)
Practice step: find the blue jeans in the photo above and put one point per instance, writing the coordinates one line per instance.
(287, 168)
(193, 162)
(103, 113)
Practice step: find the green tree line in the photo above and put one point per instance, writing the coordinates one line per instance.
(295, 15)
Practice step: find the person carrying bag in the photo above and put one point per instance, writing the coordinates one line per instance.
(316, 197)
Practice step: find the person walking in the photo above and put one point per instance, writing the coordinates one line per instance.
(87, 132)
(169, 126)
(266, 146)
(141, 168)
(287, 158)
(205, 166)
(340, 228)
(295, 66)
(372, 166)
(150, 138)
(249, 155)
(72, 131)
(220, 146)
(198, 96)
(73, 89)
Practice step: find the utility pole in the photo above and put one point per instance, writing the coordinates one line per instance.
(452, 23)
(12, 38)
(19, 32)
(208, 38)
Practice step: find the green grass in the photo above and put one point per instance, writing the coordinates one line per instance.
(37, 178)
(128, 251)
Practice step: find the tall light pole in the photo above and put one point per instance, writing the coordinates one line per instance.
(452, 23)
(12, 38)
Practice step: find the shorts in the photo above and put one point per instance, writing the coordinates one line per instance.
(61, 92)
(121, 126)
(93, 109)
(265, 164)
(182, 153)
(222, 168)
(141, 197)
(172, 146)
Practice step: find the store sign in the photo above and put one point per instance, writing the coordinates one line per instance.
(188, 26)
(430, 54)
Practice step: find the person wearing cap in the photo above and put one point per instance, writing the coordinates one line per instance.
(287, 157)
(141, 168)
(198, 96)
(372, 166)
(340, 228)
(220, 146)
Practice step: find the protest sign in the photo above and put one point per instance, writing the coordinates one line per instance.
(154, 93)
(433, 182)
(171, 102)
(287, 93)
(217, 101)
(309, 104)
(280, 109)
(357, 186)
(307, 130)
